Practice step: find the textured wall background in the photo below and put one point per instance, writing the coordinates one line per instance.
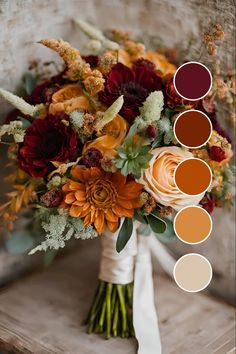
(23, 22)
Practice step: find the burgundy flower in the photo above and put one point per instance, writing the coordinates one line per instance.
(149, 65)
(173, 99)
(52, 198)
(152, 131)
(46, 140)
(42, 93)
(216, 153)
(208, 203)
(92, 60)
(92, 157)
(134, 84)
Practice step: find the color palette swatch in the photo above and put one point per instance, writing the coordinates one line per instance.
(192, 129)
(193, 176)
(192, 81)
(193, 225)
(193, 272)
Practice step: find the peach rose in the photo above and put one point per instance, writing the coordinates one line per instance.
(69, 98)
(159, 178)
(112, 136)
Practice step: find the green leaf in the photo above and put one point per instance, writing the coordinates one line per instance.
(124, 234)
(19, 242)
(30, 82)
(49, 257)
(138, 215)
(157, 225)
(169, 234)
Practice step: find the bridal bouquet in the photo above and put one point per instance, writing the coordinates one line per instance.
(93, 153)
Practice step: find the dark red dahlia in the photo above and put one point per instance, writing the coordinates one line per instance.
(173, 99)
(134, 84)
(43, 92)
(216, 153)
(46, 140)
(149, 65)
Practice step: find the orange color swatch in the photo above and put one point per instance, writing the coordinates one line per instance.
(192, 224)
(193, 176)
(192, 128)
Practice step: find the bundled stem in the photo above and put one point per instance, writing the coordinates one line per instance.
(111, 311)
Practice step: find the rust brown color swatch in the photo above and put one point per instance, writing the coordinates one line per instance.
(192, 224)
(192, 128)
(193, 176)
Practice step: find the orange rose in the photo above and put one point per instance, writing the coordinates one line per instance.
(112, 136)
(159, 178)
(68, 99)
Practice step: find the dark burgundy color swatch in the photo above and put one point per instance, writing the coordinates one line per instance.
(192, 81)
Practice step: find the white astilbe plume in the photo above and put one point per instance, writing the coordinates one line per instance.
(165, 127)
(61, 228)
(151, 110)
(21, 104)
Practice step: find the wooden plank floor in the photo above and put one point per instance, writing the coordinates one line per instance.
(43, 312)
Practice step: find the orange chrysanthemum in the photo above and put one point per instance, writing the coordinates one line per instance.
(100, 198)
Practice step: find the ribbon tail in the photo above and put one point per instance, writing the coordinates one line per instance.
(162, 255)
(144, 313)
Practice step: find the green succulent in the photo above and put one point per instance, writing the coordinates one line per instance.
(132, 158)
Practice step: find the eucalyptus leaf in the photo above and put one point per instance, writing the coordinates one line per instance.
(19, 242)
(169, 234)
(157, 225)
(138, 215)
(124, 234)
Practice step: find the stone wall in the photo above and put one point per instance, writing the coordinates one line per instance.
(24, 22)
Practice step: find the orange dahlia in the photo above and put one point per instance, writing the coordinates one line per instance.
(100, 198)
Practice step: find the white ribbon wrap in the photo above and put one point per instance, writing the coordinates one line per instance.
(144, 313)
(117, 268)
(133, 263)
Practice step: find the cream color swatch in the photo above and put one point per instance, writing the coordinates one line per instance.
(192, 272)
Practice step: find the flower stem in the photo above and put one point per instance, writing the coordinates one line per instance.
(111, 311)
(108, 312)
(123, 310)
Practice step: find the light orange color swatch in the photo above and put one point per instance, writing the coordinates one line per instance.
(192, 272)
(193, 176)
(192, 224)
